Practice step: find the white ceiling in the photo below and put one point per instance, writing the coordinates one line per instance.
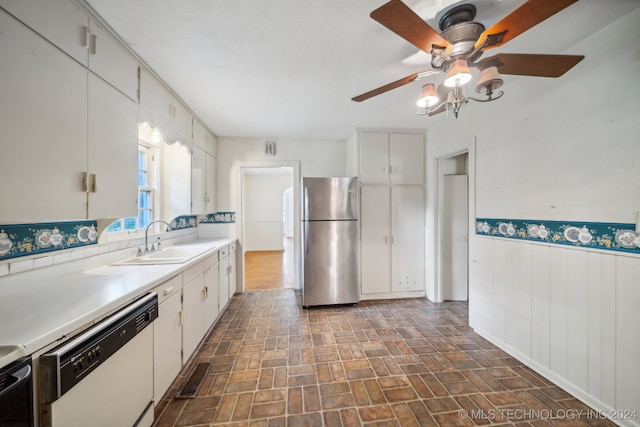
(289, 68)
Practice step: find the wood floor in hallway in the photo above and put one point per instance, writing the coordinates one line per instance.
(269, 269)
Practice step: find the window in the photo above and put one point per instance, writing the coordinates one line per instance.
(146, 192)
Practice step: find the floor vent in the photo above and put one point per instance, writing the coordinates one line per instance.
(192, 385)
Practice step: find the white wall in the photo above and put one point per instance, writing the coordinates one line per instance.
(557, 149)
(307, 157)
(263, 211)
(316, 158)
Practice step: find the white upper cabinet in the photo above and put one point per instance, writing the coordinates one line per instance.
(112, 140)
(198, 181)
(155, 101)
(161, 108)
(109, 60)
(203, 172)
(66, 25)
(391, 158)
(62, 22)
(63, 130)
(374, 158)
(407, 158)
(43, 129)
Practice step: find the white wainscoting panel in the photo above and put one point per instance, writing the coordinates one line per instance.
(571, 314)
(263, 236)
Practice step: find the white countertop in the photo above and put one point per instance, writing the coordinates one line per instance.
(37, 312)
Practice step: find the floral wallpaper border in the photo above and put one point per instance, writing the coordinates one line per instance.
(219, 218)
(596, 235)
(184, 221)
(18, 240)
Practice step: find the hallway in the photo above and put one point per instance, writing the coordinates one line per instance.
(269, 269)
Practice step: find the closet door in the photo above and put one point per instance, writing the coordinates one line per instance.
(375, 240)
(407, 230)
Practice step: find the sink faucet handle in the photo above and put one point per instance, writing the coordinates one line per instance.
(139, 251)
(159, 243)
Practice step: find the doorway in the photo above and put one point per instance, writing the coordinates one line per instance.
(268, 227)
(453, 228)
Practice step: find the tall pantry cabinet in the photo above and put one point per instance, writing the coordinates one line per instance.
(391, 170)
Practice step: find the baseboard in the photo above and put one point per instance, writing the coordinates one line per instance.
(597, 405)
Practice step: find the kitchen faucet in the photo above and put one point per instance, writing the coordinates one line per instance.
(146, 236)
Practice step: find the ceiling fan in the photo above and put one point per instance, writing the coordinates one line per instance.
(460, 45)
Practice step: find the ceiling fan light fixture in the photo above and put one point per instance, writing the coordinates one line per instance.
(428, 96)
(489, 80)
(458, 73)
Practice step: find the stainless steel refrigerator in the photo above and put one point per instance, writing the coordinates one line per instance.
(330, 241)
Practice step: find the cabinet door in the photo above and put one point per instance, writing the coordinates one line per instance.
(233, 277)
(43, 129)
(407, 230)
(167, 345)
(223, 282)
(374, 158)
(210, 184)
(113, 148)
(407, 159)
(155, 102)
(62, 22)
(211, 296)
(192, 316)
(109, 60)
(375, 240)
(198, 181)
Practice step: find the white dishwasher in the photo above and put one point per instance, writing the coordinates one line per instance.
(103, 377)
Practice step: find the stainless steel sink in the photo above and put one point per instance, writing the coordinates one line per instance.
(172, 255)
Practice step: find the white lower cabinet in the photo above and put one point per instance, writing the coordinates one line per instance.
(193, 297)
(392, 239)
(189, 305)
(227, 277)
(167, 336)
(223, 277)
(211, 289)
(233, 264)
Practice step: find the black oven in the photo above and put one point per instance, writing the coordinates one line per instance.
(16, 394)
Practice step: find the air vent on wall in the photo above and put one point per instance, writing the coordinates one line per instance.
(270, 148)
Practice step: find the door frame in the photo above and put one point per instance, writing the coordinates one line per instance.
(297, 254)
(467, 146)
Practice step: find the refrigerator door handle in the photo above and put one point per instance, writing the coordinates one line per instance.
(305, 205)
(305, 236)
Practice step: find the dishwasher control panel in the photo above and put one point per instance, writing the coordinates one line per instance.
(67, 365)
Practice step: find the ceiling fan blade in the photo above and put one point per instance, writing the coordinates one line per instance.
(403, 21)
(520, 20)
(524, 64)
(385, 88)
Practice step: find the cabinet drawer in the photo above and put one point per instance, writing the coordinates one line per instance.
(168, 288)
(223, 252)
(192, 272)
